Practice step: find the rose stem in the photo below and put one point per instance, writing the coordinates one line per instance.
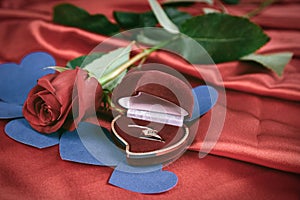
(112, 75)
(261, 7)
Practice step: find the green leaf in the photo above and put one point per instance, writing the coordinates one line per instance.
(275, 61)
(112, 84)
(57, 68)
(108, 63)
(177, 16)
(72, 64)
(225, 37)
(210, 2)
(70, 15)
(129, 20)
(82, 61)
(231, 1)
(85, 60)
(183, 45)
(162, 17)
(177, 4)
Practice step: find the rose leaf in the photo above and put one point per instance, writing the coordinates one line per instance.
(225, 37)
(231, 1)
(108, 63)
(275, 61)
(210, 2)
(178, 17)
(82, 61)
(70, 15)
(128, 20)
(112, 84)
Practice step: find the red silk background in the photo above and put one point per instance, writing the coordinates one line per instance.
(256, 157)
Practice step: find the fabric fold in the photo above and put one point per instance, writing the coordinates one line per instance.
(262, 111)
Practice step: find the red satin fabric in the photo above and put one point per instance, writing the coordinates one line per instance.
(261, 126)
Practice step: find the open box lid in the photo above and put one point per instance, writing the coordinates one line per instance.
(155, 96)
(147, 107)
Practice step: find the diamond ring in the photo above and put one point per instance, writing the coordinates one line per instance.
(148, 133)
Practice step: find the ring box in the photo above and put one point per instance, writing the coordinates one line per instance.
(152, 128)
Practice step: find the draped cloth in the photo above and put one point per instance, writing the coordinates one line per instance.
(257, 155)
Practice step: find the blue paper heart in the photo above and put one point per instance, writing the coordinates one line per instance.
(17, 80)
(8, 110)
(205, 97)
(125, 167)
(89, 144)
(21, 131)
(147, 180)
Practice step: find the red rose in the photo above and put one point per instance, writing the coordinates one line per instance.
(62, 100)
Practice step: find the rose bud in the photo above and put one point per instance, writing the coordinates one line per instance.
(62, 100)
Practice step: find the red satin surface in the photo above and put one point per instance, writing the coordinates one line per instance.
(261, 126)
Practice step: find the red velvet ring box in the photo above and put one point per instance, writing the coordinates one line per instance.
(152, 129)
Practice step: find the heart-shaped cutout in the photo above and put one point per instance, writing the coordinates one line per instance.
(88, 144)
(8, 111)
(205, 97)
(20, 130)
(147, 180)
(125, 167)
(17, 81)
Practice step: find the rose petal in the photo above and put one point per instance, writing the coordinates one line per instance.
(89, 93)
(45, 83)
(63, 84)
(50, 100)
(32, 100)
